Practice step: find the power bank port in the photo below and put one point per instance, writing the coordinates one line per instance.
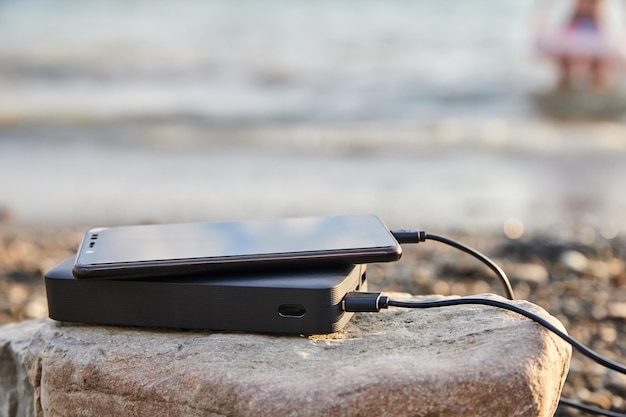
(291, 310)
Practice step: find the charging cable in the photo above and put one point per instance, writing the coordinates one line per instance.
(375, 301)
(418, 236)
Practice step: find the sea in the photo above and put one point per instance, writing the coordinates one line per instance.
(233, 62)
(421, 111)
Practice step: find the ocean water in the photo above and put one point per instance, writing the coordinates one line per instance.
(272, 62)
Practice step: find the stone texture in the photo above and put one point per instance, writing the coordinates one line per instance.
(454, 361)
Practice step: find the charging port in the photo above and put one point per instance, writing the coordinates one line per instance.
(291, 310)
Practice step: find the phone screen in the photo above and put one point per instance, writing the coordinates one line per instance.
(129, 247)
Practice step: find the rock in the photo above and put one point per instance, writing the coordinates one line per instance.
(17, 392)
(617, 382)
(598, 399)
(451, 361)
(616, 310)
(574, 260)
(530, 273)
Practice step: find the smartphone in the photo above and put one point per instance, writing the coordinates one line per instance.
(173, 249)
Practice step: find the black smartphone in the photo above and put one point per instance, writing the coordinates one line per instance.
(173, 249)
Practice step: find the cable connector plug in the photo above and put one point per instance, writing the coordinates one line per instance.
(364, 302)
(409, 236)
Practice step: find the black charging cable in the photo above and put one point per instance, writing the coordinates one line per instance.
(418, 236)
(375, 301)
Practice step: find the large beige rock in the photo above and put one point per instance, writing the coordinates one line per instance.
(453, 361)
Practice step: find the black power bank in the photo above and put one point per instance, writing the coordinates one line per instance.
(286, 301)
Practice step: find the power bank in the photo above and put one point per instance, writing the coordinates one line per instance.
(285, 301)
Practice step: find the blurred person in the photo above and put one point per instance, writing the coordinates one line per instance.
(580, 47)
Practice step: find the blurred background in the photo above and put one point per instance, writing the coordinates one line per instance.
(422, 112)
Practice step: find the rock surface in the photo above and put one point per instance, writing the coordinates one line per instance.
(452, 361)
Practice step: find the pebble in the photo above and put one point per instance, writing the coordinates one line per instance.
(616, 310)
(18, 294)
(600, 270)
(617, 382)
(574, 260)
(607, 334)
(530, 273)
(598, 399)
